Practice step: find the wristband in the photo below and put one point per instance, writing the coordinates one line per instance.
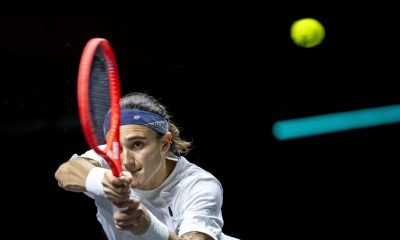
(94, 181)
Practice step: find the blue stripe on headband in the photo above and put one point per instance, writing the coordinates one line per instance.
(144, 118)
(139, 117)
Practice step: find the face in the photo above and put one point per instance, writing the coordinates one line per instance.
(143, 155)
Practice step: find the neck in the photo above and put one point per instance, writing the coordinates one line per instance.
(165, 170)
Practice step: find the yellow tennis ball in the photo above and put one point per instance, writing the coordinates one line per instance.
(307, 32)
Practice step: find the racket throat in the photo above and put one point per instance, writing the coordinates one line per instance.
(114, 154)
(115, 150)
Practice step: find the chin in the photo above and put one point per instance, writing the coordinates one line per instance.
(135, 185)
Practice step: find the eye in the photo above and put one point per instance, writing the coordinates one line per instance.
(137, 145)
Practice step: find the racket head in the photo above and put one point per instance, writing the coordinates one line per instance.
(99, 92)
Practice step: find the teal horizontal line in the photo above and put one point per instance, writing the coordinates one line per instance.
(335, 122)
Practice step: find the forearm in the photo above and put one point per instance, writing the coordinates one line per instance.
(71, 175)
(190, 236)
(144, 225)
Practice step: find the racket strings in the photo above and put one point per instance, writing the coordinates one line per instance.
(99, 94)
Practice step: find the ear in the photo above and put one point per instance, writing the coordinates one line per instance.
(166, 142)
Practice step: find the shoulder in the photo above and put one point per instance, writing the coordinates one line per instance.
(196, 206)
(193, 177)
(198, 185)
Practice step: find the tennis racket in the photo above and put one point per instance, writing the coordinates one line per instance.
(99, 92)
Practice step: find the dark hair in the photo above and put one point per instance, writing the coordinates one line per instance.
(145, 102)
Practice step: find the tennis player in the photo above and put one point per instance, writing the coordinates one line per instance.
(160, 194)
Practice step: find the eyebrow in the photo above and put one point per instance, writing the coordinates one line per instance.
(134, 138)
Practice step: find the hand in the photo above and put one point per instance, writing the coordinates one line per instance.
(134, 219)
(117, 189)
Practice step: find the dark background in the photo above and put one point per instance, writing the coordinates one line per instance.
(226, 76)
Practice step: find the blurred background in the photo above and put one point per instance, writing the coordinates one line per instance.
(226, 77)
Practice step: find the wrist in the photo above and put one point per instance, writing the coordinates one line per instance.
(94, 181)
(157, 230)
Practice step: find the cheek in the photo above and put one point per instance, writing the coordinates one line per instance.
(152, 160)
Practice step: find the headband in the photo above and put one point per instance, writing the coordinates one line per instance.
(144, 118)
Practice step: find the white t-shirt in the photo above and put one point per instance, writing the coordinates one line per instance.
(190, 199)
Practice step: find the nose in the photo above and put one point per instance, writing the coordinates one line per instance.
(128, 161)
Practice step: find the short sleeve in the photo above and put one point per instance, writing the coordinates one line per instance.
(201, 208)
(93, 155)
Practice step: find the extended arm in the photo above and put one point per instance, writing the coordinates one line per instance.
(72, 174)
(77, 174)
(144, 225)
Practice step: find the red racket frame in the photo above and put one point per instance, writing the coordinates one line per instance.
(112, 151)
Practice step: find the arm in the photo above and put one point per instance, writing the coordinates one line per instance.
(190, 236)
(201, 219)
(72, 174)
(200, 209)
(144, 225)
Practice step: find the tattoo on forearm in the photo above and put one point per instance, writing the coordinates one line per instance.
(196, 236)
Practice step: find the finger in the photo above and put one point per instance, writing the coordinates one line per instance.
(137, 221)
(133, 203)
(136, 214)
(110, 179)
(116, 187)
(130, 203)
(125, 227)
(115, 196)
(126, 177)
(122, 216)
(122, 189)
(122, 204)
(124, 220)
(120, 194)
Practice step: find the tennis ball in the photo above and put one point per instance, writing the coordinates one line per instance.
(307, 32)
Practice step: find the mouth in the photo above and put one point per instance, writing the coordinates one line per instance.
(135, 171)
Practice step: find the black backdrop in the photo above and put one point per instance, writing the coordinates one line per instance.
(226, 76)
